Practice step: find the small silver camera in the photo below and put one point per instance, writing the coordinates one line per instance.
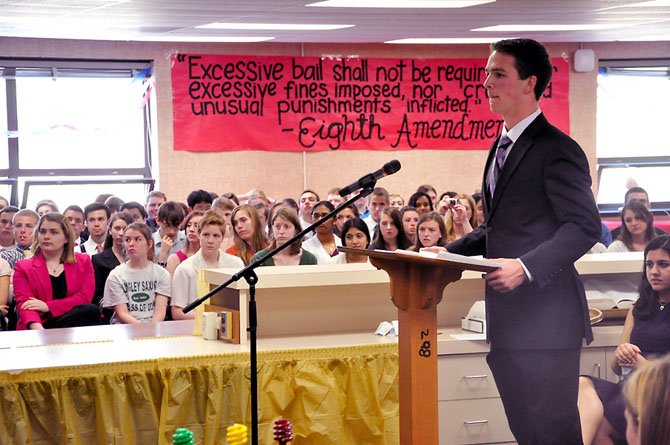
(453, 202)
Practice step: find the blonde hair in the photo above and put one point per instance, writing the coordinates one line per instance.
(448, 217)
(647, 395)
(68, 249)
(212, 218)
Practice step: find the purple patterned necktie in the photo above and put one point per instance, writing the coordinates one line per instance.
(501, 153)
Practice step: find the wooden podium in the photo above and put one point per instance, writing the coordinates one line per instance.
(417, 283)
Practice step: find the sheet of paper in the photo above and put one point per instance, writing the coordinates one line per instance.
(468, 336)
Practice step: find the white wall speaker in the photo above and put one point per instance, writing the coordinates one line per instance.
(585, 60)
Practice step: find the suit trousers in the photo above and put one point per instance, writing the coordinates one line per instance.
(539, 392)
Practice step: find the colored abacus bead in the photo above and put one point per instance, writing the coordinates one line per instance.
(236, 434)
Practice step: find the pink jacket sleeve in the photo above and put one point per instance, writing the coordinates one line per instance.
(23, 292)
(80, 286)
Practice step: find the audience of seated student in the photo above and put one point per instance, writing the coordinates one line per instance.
(155, 199)
(263, 212)
(211, 230)
(75, 216)
(102, 197)
(191, 242)
(646, 334)
(6, 228)
(355, 234)
(232, 196)
(378, 200)
(257, 197)
(168, 239)
(3, 202)
(324, 244)
(46, 206)
(135, 209)
(479, 209)
(248, 237)
(410, 218)
(637, 225)
(605, 235)
(111, 256)
(24, 223)
(430, 191)
(54, 288)
(306, 203)
(199, 200)
(636, 194)
(443, 203)
(224, 207)
(421, 202)
(285, 225)
(390, 234)
(138, 290)
(96, 216)
(362, 207)
(430, 231)
(334, 197)
(343, 216)
(461, 218)
(114, 204)
(647, 396)
(396, 201)
(5, 278)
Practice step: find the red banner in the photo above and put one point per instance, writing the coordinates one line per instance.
(224, 103)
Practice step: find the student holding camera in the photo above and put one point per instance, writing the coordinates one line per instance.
(460, 217)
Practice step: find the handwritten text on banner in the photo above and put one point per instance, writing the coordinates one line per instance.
(224, 103)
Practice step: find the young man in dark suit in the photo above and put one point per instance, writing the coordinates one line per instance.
(540, 216)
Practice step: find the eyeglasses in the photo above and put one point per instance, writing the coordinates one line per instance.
(319, 215)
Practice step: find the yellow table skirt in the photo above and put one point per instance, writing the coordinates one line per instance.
(341, 396)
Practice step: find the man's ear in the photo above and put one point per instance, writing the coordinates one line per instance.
(531, 81)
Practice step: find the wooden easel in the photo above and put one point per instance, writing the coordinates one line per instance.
(417, 284)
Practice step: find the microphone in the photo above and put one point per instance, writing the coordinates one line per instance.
(366, 181)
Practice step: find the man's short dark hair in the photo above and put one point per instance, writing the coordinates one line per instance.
(312, 192)
(635, 190)
(197, 196)
(381, 191)
(134, 205)
(9, 209)
(96, 206)
(73, 208)
(156, 194)
(171, 213)
(530, 59)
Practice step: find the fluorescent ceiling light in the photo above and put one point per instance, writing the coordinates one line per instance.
(650, 4)
(565, 27)
(445, 41)
(216, 39)
(275, 26)
(410, 4)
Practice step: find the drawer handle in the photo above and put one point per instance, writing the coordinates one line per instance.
(473, 377)
(476, 422)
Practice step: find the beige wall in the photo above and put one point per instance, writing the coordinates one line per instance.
(286, 174)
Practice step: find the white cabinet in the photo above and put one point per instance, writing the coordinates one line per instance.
(470, 409)
(596, 362)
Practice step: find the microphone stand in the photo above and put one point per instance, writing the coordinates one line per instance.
(249, 274)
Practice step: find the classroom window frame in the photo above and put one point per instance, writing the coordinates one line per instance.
(643, 68)
(13, 68)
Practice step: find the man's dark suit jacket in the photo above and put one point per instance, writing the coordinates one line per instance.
(544, 213)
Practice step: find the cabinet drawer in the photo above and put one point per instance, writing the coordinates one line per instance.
(464, 377)
(477, 421)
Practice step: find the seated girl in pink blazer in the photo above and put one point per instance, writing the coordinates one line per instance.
(54, 288)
